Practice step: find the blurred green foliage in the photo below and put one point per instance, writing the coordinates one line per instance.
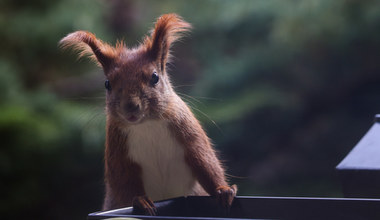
(284, 88)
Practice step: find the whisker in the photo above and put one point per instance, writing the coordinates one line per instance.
(188, 101)
(95, 115)
(86, 98)
(236, 177)
(200, 97)
(208, 117)
(86, 118)
(190, 97)
(208, 98)
(185, 85)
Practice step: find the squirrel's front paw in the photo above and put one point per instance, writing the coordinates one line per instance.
(144, 204)
(225, 195)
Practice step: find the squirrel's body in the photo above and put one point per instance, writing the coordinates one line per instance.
(159, 155)
(165, 173)
(155, 147)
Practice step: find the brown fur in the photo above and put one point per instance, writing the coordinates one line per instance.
(122, 176)
(198, 153)
(129, 72)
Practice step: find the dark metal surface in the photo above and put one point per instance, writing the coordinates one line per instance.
(359, 172)
(257, 208)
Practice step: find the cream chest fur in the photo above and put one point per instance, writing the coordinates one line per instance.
(164, 170)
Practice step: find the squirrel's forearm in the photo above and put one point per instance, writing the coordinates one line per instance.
(206, 167)
(122, 175)
(199, 154)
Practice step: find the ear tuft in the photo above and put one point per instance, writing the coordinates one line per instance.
(168, 29)
(87, 44)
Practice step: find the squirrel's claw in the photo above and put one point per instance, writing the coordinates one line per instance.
(225, 196)
(144, 204)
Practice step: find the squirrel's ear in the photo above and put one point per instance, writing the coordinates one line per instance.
(87, 44)
(167, 29)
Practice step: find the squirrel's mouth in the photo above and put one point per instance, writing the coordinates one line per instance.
(133, 118)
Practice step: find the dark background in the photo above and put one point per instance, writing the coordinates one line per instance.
(284, 88)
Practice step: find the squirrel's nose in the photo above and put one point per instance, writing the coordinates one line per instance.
(132, 107)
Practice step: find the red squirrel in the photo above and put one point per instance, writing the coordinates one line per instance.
(155, 148)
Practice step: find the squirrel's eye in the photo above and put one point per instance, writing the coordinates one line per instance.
(154, 79)
(107, 84)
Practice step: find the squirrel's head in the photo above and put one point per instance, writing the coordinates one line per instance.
(137, 84)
